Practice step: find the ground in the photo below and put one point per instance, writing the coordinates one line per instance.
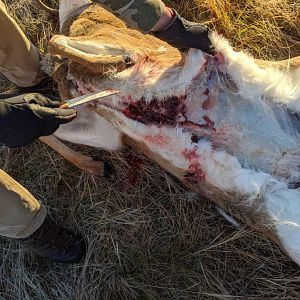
(148, 237)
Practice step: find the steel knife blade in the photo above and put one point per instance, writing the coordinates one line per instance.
(90, 97)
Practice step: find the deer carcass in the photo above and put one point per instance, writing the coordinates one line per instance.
(222, 125)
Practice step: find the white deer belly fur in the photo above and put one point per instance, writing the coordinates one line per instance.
(223, 120)
(92, 130)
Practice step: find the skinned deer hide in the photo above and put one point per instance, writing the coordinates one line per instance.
(222, 125)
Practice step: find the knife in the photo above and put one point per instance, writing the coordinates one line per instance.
(89, 97)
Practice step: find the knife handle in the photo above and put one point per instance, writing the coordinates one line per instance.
(64, 105)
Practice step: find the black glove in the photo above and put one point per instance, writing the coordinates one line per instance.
(24, 118)
(181, 34)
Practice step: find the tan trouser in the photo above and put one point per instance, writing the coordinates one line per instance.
(20, 213)
(19, 59)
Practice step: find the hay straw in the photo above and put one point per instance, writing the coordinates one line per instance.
(149, 238)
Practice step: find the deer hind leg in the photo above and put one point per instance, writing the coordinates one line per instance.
(254, 79)
(288, 66)
(83, 162)
(291, 64)
(90, 53)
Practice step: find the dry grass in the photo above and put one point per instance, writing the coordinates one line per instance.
(149, 238)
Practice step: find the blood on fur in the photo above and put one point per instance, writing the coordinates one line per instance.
(135, 164)
(195, 172)
(158, 112)
(160, 139)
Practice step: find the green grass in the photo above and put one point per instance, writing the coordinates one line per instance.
(149, 238)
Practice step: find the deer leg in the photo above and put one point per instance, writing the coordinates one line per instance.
(97, 57)
(83, 162)
(292, 64)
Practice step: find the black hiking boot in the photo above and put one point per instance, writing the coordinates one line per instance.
(56, 243)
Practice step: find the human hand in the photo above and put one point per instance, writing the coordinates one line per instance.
(24, 118)
(181, 34)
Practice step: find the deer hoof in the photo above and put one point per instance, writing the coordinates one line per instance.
(107, 170)
(95, 167)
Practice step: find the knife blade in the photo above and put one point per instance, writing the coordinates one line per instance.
(90, 97)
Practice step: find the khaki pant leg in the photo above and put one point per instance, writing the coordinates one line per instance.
(19, 59)
(20, 213)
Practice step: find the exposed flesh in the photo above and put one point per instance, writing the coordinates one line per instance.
(261, 134)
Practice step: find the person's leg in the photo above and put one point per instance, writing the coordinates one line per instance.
(20, 213)
(24, 219)
(19, 59)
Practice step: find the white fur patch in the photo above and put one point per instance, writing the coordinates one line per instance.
(162, 81)
(92, 130)
(224, 171)
(253, 81)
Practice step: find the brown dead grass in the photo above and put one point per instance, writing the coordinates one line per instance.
(148, 237)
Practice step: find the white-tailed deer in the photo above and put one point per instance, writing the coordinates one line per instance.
(223, 125)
